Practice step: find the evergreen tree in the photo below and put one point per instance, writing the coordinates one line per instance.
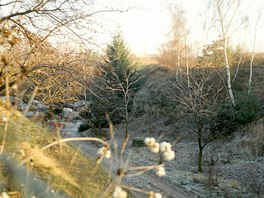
(119, 56)
(213, 55)
(115, 87)
(119, 68)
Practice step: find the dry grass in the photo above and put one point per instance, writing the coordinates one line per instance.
(64, 168)
(254, 138)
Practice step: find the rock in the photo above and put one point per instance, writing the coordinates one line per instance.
(68, 114)
(30, 114)
(78, 123)
(81, 103)
(39, 106)
(13, 100)
(22, 106)
(67, 110)
(96, 132)
(35, 114)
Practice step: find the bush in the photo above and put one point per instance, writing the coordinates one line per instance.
(138, 143)
(83, 127)
(228, 118)
(114, 87)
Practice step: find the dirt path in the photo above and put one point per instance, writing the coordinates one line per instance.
(146, 181)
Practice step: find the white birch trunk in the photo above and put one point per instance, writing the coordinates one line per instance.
(224, 37)
(228, 75)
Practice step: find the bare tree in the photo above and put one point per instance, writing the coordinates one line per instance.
(28, 27)
(197, 97)
(176, 52)
(125, 87)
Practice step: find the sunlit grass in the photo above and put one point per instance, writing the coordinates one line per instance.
(64, 168)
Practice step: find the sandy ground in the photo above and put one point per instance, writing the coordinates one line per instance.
(148, 181)
(231, 175)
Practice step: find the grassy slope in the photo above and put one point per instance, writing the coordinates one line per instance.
(64, 169)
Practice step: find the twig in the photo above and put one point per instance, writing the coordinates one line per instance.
(31, 100)
(66, 140)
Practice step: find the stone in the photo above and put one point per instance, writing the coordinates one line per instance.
(22, 106)
(68, 114)
(12, 99)
(39, 106)
(81, 103)
(30, 114)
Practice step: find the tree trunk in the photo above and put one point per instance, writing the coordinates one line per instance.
(126, 127)
(237, 68)
(200, 155)
(228, 75)
(219, 5)
(252, 57)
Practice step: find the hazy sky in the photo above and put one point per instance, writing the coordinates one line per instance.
(146, 25)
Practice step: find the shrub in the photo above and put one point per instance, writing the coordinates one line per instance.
(248, 109)
(228, 118)
(83, 127)
(138, 143)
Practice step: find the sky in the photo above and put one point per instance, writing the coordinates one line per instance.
(146, 24)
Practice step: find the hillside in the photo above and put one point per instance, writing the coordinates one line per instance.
(54, 172)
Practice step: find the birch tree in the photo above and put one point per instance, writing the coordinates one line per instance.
(226, 13)
(176, 52)
(253, 52)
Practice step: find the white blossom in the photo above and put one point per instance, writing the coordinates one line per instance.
(165, 146)
(150, 141)
(161, 172)
(119, 193)
(108, 154)
(104, 152)
(4, 195)
(155, 147)
(169, 155)
(101, 151)
(158, 195)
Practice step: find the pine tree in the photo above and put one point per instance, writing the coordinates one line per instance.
(119, 57)
(115, 87)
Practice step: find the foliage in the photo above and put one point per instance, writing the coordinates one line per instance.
(83, 127)
(119, 58)
(240, 84)
(213, 55)
(228, 119)
(155, 84)
(113, 90)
